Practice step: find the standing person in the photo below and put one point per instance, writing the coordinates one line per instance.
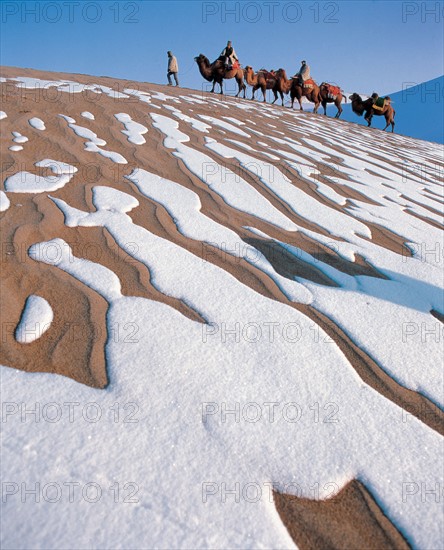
(304, 73)
(229, 55)
(173, 69)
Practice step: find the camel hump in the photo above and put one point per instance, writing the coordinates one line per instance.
(268, 74)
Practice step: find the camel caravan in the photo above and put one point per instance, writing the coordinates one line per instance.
(301, 85)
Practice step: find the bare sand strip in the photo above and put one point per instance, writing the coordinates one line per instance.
(350, 520)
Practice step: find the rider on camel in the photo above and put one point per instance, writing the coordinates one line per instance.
(229, 56)
(304, 73)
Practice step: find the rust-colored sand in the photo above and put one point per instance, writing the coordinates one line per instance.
(351, 520)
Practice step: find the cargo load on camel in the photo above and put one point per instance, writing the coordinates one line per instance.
(310, 83)
(381, 102)
(333, 91)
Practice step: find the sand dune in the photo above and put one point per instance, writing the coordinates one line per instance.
(163, 226)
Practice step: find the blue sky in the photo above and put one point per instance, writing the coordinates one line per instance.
(364, 46)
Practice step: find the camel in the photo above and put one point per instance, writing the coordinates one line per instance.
(282, 86)
(325, 96)
(262, 79)
(216, 72)
(359, 107)
(298, 92)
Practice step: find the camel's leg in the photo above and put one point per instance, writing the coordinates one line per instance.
(245, 89)
(221, 87)
(275, 97)
(282, 99)
(339, 106)
(214, 84)
(324, 105)
(264, 91)
(317, 103)
(240, 85)
(389, 122)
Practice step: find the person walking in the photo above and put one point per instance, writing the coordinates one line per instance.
(173, 69)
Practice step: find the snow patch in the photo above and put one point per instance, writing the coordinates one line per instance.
(36, 319)
(134, 130)
(4, 201)
(37, 123)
